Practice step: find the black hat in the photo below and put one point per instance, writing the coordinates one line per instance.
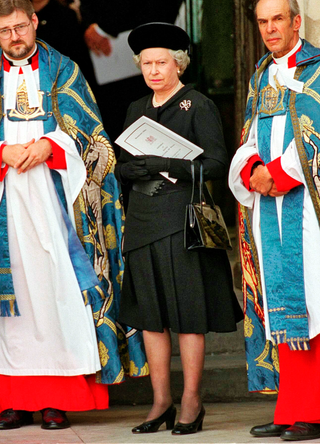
(158, 35)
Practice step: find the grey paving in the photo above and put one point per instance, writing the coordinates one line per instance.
(223, 423)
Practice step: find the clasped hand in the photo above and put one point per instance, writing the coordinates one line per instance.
(261, 181)
(25, 156)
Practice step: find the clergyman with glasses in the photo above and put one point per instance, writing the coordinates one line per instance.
(52, 143)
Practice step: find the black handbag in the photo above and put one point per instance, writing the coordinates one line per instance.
(204, 223)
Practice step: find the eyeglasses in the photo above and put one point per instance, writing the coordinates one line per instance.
(20, 30)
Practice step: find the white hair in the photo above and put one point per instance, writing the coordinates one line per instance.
(293, 6)
(181, 58)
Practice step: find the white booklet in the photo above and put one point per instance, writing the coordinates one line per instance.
(118, 65)
(147, 137)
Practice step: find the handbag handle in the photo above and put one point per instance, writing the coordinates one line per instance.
(201, 193)
(194, 182)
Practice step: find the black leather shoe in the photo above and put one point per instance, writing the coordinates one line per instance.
(267, 430)
(53, 419)
(152, 426)
(192, 427)
(13, 419)
(300, 431)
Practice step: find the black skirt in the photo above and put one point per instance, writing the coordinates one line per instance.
(165, 285)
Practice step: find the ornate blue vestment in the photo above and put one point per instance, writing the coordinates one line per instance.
(95, 245)
(283, 261)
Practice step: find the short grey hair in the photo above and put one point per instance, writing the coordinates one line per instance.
(7, 7)
(293, 6)
(181, 58)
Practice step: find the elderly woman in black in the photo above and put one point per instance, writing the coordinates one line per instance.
(166, 287)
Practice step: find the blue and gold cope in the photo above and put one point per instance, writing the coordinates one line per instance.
(95, 246)
(285, 292)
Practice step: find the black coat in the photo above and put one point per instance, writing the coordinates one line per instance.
(165, 285)
(151, 218)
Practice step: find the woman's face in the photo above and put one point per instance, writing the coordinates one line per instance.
(159, 69)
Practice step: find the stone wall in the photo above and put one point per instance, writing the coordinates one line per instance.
(310, 12)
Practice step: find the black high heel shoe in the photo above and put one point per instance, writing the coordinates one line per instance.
(168, 417)
(191, 427)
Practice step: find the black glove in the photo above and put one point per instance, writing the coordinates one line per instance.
(135, 169)
(155, 164)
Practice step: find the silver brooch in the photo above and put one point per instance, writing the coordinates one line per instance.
(186, 104)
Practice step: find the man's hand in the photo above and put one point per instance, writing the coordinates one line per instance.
(275, 193)
(24, 156)
(12, 153)
(96, 42)
(261, 180)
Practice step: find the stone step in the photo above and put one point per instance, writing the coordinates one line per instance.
(224, 380)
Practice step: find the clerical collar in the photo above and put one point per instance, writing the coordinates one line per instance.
(32, 60)
(290, 58)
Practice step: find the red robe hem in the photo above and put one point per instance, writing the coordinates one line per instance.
(69, 393)
(299, 390)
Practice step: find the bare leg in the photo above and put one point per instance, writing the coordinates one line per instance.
(192, 351)
(158, 349)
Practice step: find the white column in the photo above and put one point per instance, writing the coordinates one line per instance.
(302, 29)
(310, 29)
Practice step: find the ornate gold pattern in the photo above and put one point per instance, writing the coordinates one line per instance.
(23, 111)
(250, 277)
(272, 99)
(273, 310)
(260, 359)
(110, 324)
(64, 89)
(103, 353)
(119, 277)
(250, 92)
(248, 327)
(70, 80)
(71, 125)
(110, 234)
(7, 297)
(296, 316)
(312, 79)
(275, 358)
(133, 369)
(307, 129)
(106, 198)
(77, 207)
(299, 343)
(312, 93)
(120, 377)
(5, 270)
(268, 391)
(145, 370)
(99, 148)
(276, 335)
